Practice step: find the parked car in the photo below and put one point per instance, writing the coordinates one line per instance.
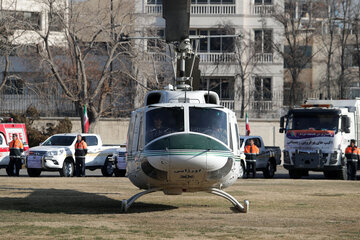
(268, 158)
(57, 153)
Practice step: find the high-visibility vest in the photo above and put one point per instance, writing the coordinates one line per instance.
(352, 153)
(16, 144)
(16, 147)
(352, 150)
(251, 149)
(80, 148)
(80, 145)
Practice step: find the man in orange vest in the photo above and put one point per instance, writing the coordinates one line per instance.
(16, 148)
(80, 153)
(352, 153)
(251, 151)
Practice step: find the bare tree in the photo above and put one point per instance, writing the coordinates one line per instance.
(328, 41)
(344, 16)
(295, 18)
(247, 61)
(86, 54)
(8, 24)
(356, 33)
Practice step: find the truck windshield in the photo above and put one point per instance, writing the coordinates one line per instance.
(209, 121)
(59, 141)
(313, 121)
(162, 121)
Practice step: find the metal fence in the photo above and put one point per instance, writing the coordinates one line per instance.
(46, 106)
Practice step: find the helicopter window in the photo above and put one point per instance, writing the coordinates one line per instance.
(209, 121)
(162, 121)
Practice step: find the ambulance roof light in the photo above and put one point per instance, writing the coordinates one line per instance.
(317, 105)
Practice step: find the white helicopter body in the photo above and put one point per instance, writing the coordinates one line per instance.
(194, 146)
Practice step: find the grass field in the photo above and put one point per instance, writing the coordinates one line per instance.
(89, 208)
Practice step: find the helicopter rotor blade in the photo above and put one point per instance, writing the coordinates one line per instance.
(177, 16)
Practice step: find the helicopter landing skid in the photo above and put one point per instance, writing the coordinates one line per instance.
(126, 203)
(237, 205)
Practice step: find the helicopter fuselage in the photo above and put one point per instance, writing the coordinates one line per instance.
(183, 147)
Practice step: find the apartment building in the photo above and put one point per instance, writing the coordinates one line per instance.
(22, 23)
(332, 71)
(219, 57)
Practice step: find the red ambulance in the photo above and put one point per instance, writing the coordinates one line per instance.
(6, 132)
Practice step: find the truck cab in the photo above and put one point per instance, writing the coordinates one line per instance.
(316, 135)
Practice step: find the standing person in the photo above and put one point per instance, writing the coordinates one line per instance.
(80, 153)
(251, 151)
(352, 156)
(16, 148)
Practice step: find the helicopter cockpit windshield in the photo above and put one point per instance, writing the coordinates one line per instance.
(162, 121)
(209, 121)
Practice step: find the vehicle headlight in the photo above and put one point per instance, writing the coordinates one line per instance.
(53, 153)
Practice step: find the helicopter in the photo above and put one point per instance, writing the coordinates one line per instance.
(183, 140)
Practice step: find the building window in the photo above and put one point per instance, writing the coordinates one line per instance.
(355, 56)
(224, 87)
(14, 86)
(263, 41)
(355, 91)
(21, 20)
(156, 45)
(154, 1)
(213, 45)
(299, 58)
(263, 2)
(56, 22)
(262, 90)
(212, 1)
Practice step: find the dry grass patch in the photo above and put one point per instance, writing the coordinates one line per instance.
(77, 208)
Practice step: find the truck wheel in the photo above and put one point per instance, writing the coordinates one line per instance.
(34, 172)
(295, 174)
(242, 170)
(67, 169)
(270, 169)
(119, 172)
(107, 170)
(342, 174)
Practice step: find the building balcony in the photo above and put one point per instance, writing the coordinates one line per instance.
(205, 9)
(262, 10)
(217, 57)
(230, 104)
(262, 105)
(153, 9)
(261, 58)
(197, 9)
